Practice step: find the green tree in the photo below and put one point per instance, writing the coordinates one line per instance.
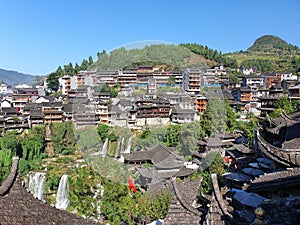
(82, 184)
(230, 116)
(52, 81)
(113, 91)
(84, 65)
(285, 104)
(172, 136)
(91, 61)
(69, 70)
(106, 131)
(5, 163)
(77, 68)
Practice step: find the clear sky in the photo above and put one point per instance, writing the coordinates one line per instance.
(37, 36)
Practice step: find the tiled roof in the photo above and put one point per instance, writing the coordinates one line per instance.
(287, 157)
(36, 113)
(243, 148)
(183, 172)
(68, 108)
(156, 154)
(180, 211)
(275, 180)
(281, 211)
(219, 210)
(18, 207)
(52, 104)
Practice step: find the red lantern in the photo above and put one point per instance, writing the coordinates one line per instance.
(131, 185)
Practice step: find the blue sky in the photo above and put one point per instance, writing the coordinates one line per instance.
(37, 36)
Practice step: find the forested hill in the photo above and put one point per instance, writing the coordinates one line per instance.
(180, 56)
(269, 53)
(14, 77)
(173, 55)
(273, 44)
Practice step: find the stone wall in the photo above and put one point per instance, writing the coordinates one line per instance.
(6, 185)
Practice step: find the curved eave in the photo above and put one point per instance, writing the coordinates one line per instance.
(286, 157)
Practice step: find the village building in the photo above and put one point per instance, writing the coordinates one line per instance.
(3, 88)
(150, 111)
(52, 112)
(253, 81)
(294, 92)
(100, 102)
(201, 102)
(191, 81)
(165, 164)
(127, 76)
(247, 70)
(272, 80)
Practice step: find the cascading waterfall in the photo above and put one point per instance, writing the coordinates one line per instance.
(122, 145)
(125, 150)
(118, 149)
(104, 148)
(62, 200)
(36, 184)
(128, 145)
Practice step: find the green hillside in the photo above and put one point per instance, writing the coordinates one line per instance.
(274, 45)
(172, 55)
(14, 77)
(270, 54)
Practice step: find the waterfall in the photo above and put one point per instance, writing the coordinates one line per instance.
(128, 145)
(62, 200)
(122, 145)
(121, 159)
(118, 149)
(36, 184)
(104, 148)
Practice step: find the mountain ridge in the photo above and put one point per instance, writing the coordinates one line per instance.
(12, 77)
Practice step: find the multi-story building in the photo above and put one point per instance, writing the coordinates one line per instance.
(217, 71)
(275, 91)
(52, 112)
(272, 80)
(100, 104)
(67, 83)
(109, 78)
(127, 76)
(201, 102)
(245, 94)
(177, 75)
(153, 108)
(191, 81)
(253, 81)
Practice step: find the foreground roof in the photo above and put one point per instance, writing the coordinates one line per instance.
(18, 207)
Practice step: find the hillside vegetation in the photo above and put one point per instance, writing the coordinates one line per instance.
(269, 54)
(273, 45)
(173, 55)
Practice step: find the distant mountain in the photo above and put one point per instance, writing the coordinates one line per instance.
(269, 53)
(273, 44)
(14, 77)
